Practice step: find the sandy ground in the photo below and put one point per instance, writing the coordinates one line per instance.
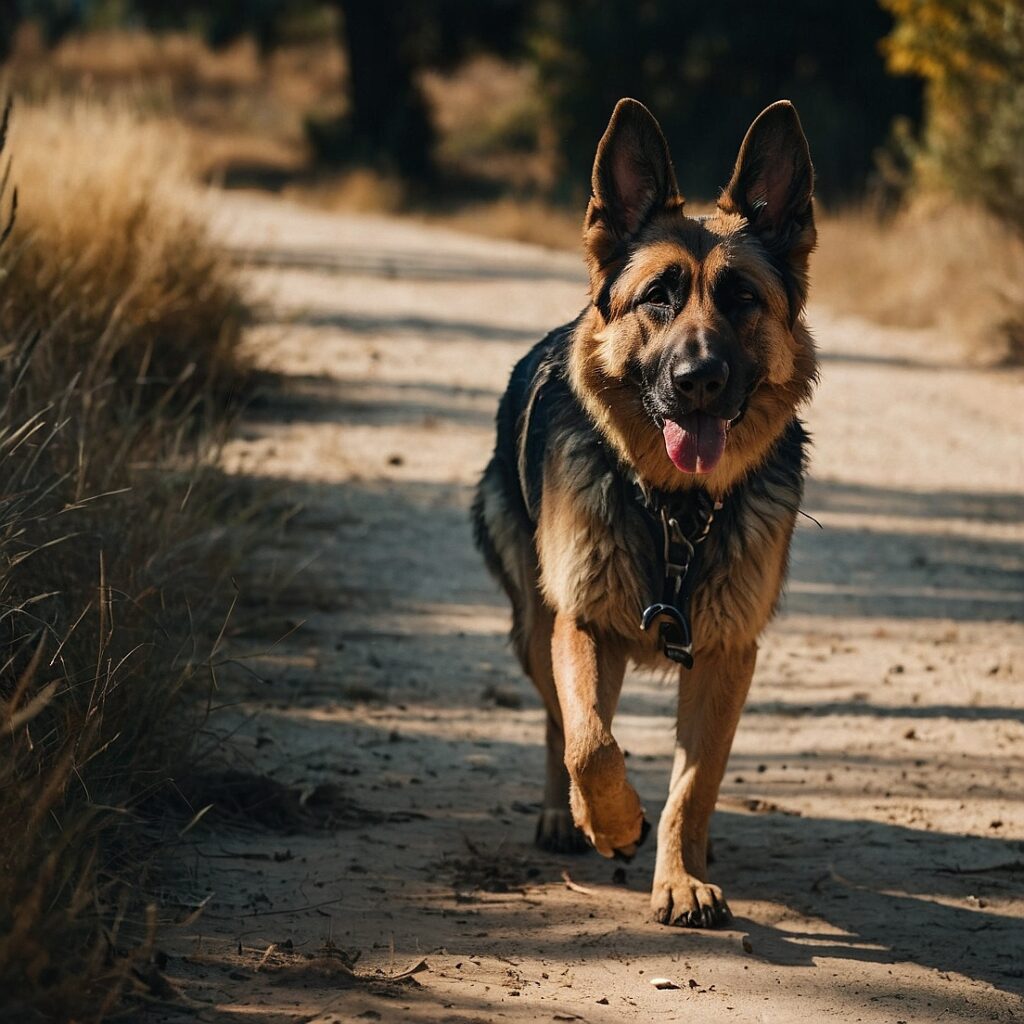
(870, 832)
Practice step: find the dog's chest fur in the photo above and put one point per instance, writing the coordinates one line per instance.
(597, 554)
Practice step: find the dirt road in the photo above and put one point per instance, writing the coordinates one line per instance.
(870, 833)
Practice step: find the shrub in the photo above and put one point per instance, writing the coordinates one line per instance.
(971, 57)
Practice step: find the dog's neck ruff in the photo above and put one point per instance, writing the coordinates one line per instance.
(677, 521)
(541, 404)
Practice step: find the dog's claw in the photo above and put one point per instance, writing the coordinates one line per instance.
(645, 829)
(627, 853)
(557, 833)
(689, 903)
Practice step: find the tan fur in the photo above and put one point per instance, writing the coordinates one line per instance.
(587, 571)
(588, 675)
(731, 610)
(710, 701)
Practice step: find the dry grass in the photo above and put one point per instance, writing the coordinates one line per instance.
(491, 125)
(119, 330)
(106, 240)
(244, 114)
(358, 191)
(943, 266)
(522, 220)
(235, 108)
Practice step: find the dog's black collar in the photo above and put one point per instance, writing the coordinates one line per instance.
(679, 524)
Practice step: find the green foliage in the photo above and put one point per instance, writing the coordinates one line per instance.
(971, 57)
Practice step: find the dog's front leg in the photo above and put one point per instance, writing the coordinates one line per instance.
(588, 676)
(711, 697)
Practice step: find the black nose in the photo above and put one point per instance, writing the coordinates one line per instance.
(699, 382)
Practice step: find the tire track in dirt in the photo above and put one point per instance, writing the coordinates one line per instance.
(870, 833)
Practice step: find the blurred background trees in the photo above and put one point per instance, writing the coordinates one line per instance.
(387, 45)
(855, 68)
(971, 57)
(707, 69)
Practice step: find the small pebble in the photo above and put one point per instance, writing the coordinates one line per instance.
(663, 983)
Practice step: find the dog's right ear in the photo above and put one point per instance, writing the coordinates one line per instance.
(632, 180)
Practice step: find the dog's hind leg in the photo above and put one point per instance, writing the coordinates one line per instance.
(588, 671)
(556, 830)
(711, 697)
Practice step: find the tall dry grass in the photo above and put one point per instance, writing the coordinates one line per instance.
(119, 333)
(938, 264)
(110, 241)
(238, 108)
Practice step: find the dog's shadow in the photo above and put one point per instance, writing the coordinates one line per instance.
(877, 892)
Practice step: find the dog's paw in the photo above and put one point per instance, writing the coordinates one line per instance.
(557, 833)
(614, 824)
(686, 902)
(628, 852)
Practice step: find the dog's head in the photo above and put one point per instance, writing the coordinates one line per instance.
(693, 355)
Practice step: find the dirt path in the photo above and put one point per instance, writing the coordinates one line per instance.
(870, 833)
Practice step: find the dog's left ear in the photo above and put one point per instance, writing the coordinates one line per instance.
(772, 184)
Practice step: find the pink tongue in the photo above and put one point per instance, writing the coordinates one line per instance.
(696, 443)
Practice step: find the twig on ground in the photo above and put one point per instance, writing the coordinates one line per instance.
(576, 887)
(294, 910)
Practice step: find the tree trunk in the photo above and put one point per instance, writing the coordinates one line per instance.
(389, 123)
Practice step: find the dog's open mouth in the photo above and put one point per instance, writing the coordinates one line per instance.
(695, 442)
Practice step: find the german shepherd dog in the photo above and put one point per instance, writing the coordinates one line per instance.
(647, 474)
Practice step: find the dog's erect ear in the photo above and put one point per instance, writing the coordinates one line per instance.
(632, 179)
(773, 181)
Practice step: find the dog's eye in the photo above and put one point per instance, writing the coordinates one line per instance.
(746, 297)
(656, 295)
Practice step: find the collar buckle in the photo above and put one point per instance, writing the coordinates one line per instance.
(678, 550)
